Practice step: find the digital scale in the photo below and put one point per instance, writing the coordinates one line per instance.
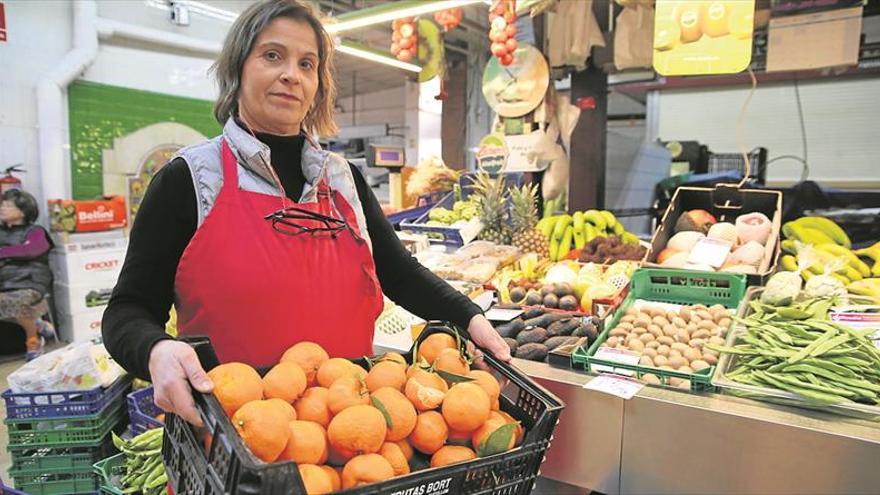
(393, 158)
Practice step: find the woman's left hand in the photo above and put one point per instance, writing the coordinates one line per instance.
(484, 335)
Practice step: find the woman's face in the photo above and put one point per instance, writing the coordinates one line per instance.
(10, 214)
(279, 79)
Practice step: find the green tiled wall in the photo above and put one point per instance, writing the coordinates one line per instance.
(99, 113)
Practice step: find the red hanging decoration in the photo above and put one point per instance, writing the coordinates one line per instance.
(502, 30)
(404, 39)
(449, 18)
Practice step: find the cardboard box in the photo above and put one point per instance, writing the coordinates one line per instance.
(80, 327)
(92, 268)
(728, 203)
(67, 215)
(93, 241)
(76, 299)
(812, 41)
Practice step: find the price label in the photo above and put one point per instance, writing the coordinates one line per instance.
(615, 385)
(618, 356)
(861, 321)
(499, 314)
(712, 252)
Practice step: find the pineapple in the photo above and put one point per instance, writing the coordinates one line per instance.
(524, 217)
(492, 197)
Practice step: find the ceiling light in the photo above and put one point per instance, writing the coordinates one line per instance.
(195, 7)
(367, 53)
(387, 12)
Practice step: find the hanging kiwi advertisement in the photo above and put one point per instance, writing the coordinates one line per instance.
(694, 37)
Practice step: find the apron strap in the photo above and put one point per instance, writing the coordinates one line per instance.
(230, 166)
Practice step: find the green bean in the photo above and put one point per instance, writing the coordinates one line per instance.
(803, 353)
(822, 372)
(830, 344)
(791, 380)
(830, 366)
(808, 394)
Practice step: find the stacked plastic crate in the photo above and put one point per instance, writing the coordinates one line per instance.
(55, 438)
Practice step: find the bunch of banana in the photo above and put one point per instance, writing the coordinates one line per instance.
(567, 232)
(866, 287)
(829, 242)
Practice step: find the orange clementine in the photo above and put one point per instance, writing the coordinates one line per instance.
(466, 407)
(315, 480)
(312, 406)
(430, 432)
(451, 361)
(488, 383)
(359, 371)
(400, 410)
(425, 390)
(236, 384)
(263, 427)
(285, 381)
(433, 344)
(285, 407)
(394, 358)
(519, 432)
(306, 443)
(482, 433)
(406, 448)
(450, 454)
(386, 374)
(392, 453)
(346, 392)
(332, 369)
(338, 457)
(366, 469)
(359, 429)
(335, 477)
(309, 356)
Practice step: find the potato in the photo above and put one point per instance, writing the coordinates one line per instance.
(651, 378)
(707, 325)
(666, 340)
(652, 345)
(619, 332)
(686, 369)
(645, 338)
(657, 311)
(632, 312)
(660, 321)
(639, 331)
(685, 314)
(650, 352)
(705, 315)
(652, 328)
(646, 361)
(656, 332)
(674, 353)
(663, 350)
(625, 325)
(627, 318)
(691, 354)
(716, 340)
(642, 321)
(685, 385)
(661, 361)
(679, 322)
(612, 341)
(718, 311)
(699, 364)
(636, 345)
(667, 367)
(724, 322)
(671, 315)
(697, 343)
(680, 347)
(670, 330)
(675, 382)
(699, 307)
(710, 359)
(682, 335)
(700, 334)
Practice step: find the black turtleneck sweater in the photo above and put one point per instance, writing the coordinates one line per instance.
(138, 310)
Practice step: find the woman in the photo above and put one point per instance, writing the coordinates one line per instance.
(25, 276)
(259, 237)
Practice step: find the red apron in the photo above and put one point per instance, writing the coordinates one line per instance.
(256, 291)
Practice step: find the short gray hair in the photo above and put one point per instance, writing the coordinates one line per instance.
(238, 44)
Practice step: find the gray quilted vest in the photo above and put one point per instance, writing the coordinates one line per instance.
(206, 166)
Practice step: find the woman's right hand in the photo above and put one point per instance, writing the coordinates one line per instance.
(173, 367)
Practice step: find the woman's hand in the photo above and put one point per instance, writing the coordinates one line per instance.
(484, 335)
(173, 367)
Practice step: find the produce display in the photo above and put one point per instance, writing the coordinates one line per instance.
(431, 175)
(375, 424)
(671, 337)
(502, 30)
(537, 332)
(791, 345)
(476, 262)
(572, 233)
(611, 249)
(565, 285)
(144, 471)
(748, 238)
(461, 213)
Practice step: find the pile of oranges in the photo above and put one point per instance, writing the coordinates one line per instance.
(345, 426)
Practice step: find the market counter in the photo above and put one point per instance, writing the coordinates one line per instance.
(666, 441)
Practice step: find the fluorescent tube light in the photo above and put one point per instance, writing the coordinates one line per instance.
(367, 53)
(387, 12)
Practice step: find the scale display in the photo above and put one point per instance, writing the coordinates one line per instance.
(386, 156)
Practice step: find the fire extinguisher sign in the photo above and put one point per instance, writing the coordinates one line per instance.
(2, 22)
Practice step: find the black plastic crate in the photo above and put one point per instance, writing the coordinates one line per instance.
(229, 467)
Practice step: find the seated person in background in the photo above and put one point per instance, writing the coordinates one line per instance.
(25, 276)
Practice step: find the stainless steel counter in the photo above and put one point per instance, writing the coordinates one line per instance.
(666, 441)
